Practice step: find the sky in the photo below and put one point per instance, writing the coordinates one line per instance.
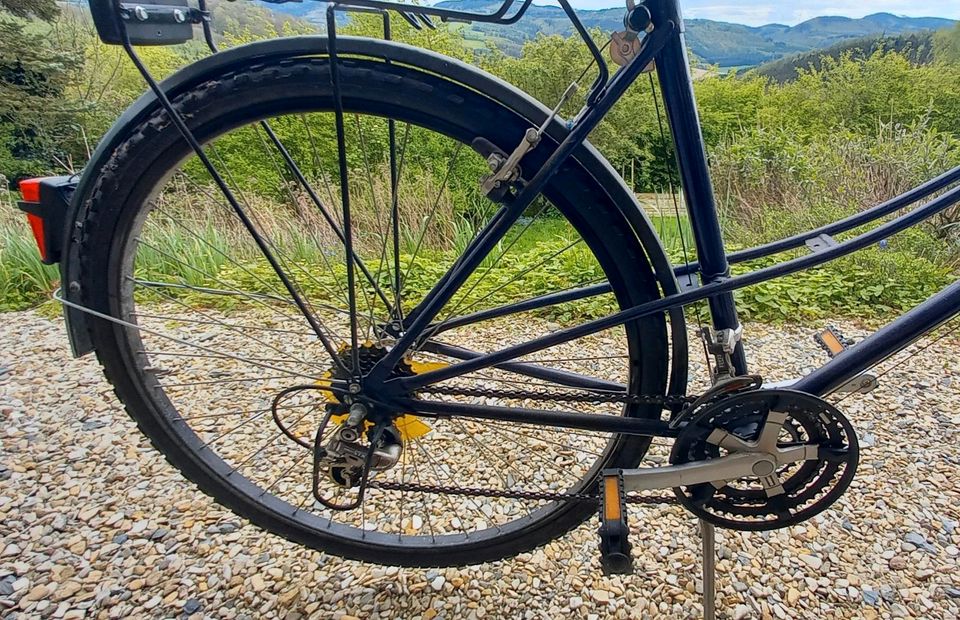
(756, 13)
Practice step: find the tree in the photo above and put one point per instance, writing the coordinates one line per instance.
(39, 125)
(946, 44)
(44, 9)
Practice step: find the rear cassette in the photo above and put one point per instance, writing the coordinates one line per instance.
(815, 449)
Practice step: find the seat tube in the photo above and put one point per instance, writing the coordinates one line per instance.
(673, 74)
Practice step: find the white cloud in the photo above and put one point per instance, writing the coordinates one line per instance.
(758, 13)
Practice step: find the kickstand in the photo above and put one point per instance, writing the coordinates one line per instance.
(709, 553)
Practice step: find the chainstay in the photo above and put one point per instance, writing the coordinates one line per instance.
(542, 395)
(527, 495)
(563, 396)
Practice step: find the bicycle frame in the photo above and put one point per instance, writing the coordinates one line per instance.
(717, 286)
(664, 46)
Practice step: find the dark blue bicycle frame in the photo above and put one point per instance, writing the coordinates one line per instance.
(664, 46)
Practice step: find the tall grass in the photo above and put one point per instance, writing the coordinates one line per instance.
(24, 280)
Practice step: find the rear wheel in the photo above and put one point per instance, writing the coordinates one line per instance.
(220, 336)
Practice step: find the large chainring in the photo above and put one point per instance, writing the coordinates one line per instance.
(806, 487)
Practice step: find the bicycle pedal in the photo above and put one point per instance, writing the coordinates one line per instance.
(832, 341)
(835, 343)
(615, 558)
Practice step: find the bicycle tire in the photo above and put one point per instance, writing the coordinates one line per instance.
(253, 92)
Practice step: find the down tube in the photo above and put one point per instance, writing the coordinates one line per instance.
(884, 343)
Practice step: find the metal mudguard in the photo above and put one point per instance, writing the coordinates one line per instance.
(455, 70)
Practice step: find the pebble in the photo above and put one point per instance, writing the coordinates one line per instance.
(98, 525)
(812, 561)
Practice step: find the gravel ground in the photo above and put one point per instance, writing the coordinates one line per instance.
(97, 524)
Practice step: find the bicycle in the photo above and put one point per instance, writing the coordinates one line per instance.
(389, 401)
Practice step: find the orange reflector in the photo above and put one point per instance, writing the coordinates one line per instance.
(611, 498)
(832, 342)
(36, 225)
(30, 188)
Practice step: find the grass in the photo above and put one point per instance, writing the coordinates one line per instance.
(24, 280)
(869, 286)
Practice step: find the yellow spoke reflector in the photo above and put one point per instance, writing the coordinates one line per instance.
(410, 426)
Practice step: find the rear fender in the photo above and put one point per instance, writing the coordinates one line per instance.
(214, 65)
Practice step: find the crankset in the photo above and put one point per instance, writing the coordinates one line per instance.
(754, 460)
(801, 451)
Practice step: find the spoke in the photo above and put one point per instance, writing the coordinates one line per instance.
(244, 333)
(302, 181)
(219, 381)
(430, 217)
(213, 356)
(533, 453)
(514, 431)
(423, 496)
(200, 238)
(254, 328)
(384, 237)
(252, 296)
(207, 444)
(497, 260)
(436, 472)
(257, 298)
(182, 419)
(293, 201)
(286, 472)
(520, 275)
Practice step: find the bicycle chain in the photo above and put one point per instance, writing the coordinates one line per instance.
(561, 396)
(557, 396)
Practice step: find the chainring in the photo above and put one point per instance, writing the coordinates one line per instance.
(808, 487)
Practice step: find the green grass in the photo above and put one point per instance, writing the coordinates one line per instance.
(872, 285)
(24, 280)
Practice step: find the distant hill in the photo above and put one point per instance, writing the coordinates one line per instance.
(714, 42)
(917, 46)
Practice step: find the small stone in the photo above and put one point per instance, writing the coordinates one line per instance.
(812, 561)
(576, 602)
(870, 596)
(191, 606)
(11, 550)
(257, 583)
(6, 585)
(601, 596)
(36, 593)
(153, 602)
(437, 584)
(159, 533)
(740, 612)
(793, 595)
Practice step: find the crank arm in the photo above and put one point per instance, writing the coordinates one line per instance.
(715, 471)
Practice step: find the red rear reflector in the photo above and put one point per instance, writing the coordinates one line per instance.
(36, 225)
(30, 188)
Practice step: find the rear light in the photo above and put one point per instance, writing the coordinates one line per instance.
(45, 201)
(30, 188)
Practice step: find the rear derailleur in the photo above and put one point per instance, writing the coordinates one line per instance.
(347, 462)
